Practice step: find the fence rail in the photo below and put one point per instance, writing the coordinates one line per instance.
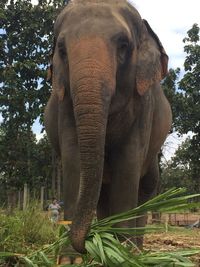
(175, 219)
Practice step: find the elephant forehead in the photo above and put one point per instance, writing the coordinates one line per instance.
(120, 21)
(80, 14)
(91, 19)
(93, 7)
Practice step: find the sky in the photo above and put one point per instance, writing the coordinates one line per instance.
(170, 20)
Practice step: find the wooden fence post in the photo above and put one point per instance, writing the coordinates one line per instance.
(25, 200)
(59, 173)
(42, 197)
(19, 199)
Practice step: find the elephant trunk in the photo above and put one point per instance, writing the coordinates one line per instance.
(92, 83)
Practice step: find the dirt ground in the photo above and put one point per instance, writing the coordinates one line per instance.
(176, 238)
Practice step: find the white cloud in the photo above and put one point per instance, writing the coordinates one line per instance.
(39, 136)
(172, 142)
(170, 20)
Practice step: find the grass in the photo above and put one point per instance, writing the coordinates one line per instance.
(102, 245)
(24, 231)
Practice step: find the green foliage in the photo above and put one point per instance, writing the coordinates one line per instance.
(24, 231)
(25, 42)
(190, 84)
(190, 108)
(177, 171)
(170, 88)
(103, 247)
(184, 96)
(42, 163)
(24, 58)
(25, 161)
(13, 159)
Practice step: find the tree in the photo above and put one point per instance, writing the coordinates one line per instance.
(184, 96)
(170, 88)
(189, 113)
(178, 172)
(25, 46)
(41, 163)
(26, 34)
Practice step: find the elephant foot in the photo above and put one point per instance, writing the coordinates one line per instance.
(69, 260)
(69, 256)
(78, 260)
(64, 260)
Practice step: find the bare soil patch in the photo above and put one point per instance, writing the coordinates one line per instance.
(177, 238)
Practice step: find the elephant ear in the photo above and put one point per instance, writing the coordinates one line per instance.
(55, 75)
(58, 79)
(152, 62)
(50, 68)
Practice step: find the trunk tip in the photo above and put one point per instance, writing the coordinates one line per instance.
(80, 228)
(78, 239)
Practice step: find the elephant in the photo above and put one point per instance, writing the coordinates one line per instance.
(107, 116)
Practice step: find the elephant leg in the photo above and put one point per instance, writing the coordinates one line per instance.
(71, 173)
(124, 191)
(104, 198)
(147, 190)
(103, 203)
(125, 183)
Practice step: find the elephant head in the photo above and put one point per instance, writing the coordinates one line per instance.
(95, 43)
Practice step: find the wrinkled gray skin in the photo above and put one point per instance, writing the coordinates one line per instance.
(107, 116)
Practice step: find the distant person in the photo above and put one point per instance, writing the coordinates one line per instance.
(54, 209)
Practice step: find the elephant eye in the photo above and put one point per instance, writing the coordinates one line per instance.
(123, 49)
